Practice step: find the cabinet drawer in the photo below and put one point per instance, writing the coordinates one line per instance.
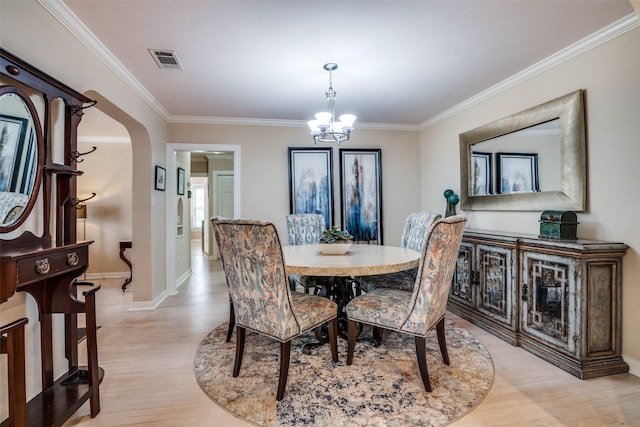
(49, 264)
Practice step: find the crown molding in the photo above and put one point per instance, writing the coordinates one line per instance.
(617, 28)
(280, 123)
(70, 21)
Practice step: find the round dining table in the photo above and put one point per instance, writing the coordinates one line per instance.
(342, 272)
(359, 260)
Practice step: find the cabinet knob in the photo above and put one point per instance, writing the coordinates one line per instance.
(525, 292)
(43, 266)
(73, 259)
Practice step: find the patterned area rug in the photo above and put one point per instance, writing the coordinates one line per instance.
(381, 388)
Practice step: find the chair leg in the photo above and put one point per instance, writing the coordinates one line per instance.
(443, 342)
(318, 332)
(421, 353)
(285, 353)
(352, 332)
(232, 320)
(378, 335)
(240, 334)
(333, 339)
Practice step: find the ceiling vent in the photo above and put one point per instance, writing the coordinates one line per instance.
(166, 59)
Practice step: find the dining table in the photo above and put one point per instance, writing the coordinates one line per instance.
(359, 260)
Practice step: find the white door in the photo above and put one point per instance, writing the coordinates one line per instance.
(224, 197)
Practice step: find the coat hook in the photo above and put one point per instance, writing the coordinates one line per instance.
(76, 154)
(75, 201)
(77, 109)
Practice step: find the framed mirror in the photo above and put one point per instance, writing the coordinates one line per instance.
(21, 157)
(534, 160)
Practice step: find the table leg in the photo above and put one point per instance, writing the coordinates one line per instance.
(341, 290)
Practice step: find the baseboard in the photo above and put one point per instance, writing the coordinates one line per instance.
(149, 305)
(183, 278)
(107, 275)
(634, 365)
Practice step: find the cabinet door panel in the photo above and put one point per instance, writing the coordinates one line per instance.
(496, 274)
(463, 278)
(549, 299)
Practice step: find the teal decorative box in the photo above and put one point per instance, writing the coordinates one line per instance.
(559, 225)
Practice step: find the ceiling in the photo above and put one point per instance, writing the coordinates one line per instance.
(401, 63)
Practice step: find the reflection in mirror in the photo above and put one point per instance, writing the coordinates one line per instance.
(537, 146)
(20, 155)
(532, 160)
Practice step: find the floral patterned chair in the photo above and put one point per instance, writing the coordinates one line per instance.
(306, 229)
(417, 312)
(413, 237)
(252, 260)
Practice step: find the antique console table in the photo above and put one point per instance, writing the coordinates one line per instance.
(123, 247)
(558, 299)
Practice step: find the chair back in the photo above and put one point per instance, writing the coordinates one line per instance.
(415, 229)
(435, 273)
(253, 264)
(305, 229)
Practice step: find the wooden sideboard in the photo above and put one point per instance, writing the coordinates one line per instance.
(558, 299)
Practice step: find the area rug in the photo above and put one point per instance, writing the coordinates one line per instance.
(381, 388)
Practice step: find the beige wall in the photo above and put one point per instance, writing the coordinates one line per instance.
(264, 168)
(610, 75)
(107, 172)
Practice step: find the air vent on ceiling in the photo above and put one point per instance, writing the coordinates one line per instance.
(166, 59)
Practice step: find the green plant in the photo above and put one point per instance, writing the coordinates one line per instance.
(335, 235)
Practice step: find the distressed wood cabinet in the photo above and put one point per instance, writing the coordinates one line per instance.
(484, 284)
(559, 299)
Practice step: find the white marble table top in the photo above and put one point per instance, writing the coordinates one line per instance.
(360, 260)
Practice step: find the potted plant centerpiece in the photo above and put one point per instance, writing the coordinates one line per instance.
(335, 241)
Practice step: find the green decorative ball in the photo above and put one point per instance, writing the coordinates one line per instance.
(453, 198)
(448, 192)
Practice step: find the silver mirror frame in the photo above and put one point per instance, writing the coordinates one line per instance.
(573, 186)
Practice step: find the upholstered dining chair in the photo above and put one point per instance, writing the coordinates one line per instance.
(306, 229)
(417, 312)
(413, 237)
(263, 302)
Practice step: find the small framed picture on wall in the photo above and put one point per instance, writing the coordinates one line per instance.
(181, 180)
(161, 178)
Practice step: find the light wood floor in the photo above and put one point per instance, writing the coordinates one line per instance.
(149, 380)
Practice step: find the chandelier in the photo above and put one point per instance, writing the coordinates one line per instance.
(324, 128)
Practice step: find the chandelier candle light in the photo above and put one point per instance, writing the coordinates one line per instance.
(324, 128)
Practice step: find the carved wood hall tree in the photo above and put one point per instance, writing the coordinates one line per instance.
(38, 190)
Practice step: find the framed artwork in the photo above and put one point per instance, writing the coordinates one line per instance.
(311, 182)
(481, 173)
(361, 194)
(181, 181)
(12, 143)
(160, 178)
(517, 173)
